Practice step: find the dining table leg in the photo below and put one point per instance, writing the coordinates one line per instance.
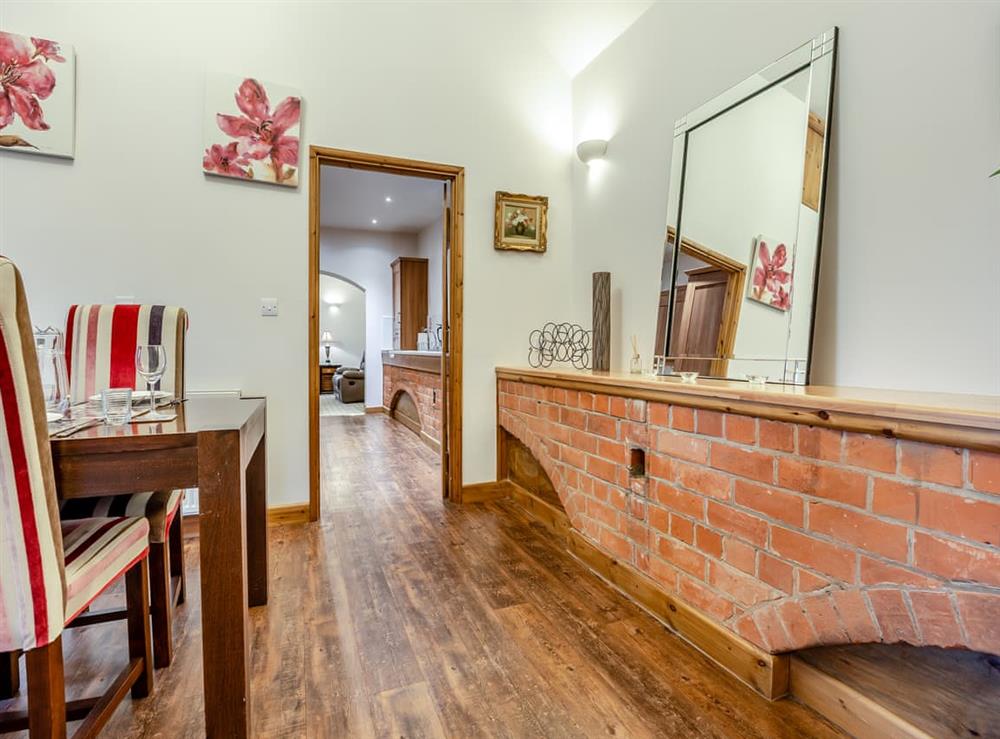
(225, 623)
(256, 481)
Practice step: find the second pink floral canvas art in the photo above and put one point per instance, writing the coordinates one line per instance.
(771, 277)
(251, 130)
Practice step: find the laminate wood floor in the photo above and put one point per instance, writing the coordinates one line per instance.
(330, 406)
(400, 616)
(943, 692)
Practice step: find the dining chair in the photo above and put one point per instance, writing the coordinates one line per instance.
(51, 571)
(100, 353)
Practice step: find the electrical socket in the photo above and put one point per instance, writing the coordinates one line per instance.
(269, 307)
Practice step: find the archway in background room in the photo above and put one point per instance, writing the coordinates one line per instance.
(452, 181)
(343, 328)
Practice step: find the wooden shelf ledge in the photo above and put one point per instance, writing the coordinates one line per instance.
(952, 419)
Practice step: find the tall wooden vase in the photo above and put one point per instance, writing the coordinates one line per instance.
(602, 321)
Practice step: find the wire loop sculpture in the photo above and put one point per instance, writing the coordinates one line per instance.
(559, 342)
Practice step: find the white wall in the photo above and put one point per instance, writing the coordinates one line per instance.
(134, 215)
(365, 257)
(430, 245)
(342, 313)
(908, 294)
(916, 131)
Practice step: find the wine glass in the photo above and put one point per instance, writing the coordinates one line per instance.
(151, 363)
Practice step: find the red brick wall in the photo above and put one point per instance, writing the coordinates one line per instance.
(790, 535)
(423, 387)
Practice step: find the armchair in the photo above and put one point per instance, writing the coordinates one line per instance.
(349, 383)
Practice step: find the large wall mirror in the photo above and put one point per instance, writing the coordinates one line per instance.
(744, 224)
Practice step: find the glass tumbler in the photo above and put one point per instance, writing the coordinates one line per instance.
(116, 403)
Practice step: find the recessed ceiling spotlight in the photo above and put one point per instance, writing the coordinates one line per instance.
(388, 199)
(374, 221)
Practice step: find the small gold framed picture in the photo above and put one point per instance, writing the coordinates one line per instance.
(521, 222)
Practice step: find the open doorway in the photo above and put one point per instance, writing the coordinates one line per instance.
(343, 336)
(385, 306)
(706, 308)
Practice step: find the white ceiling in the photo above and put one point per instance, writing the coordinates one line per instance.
(574, 32)
(351, 198)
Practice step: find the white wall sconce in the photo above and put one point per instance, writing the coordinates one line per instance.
(591, 149)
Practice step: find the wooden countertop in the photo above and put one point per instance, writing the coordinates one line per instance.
(951, 418)
(409, 359)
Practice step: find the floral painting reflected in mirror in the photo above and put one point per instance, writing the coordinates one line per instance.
(37, 95)
(772, 280)
(249, 137)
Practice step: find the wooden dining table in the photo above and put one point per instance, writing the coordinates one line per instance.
(217, 443)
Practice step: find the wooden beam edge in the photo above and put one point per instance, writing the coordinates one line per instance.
(484, 492)
(288, 514)
(842, 705)
(545, 513)
(766, 673)
(276, 516)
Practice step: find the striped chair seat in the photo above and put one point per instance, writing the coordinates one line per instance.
(159, 508)
(97, 552)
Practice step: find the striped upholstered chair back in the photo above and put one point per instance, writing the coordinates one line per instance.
(32, 581)
(101, 342)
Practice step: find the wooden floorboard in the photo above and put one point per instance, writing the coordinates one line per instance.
(400, 616)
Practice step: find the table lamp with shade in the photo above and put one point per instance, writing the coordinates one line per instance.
(327, 340)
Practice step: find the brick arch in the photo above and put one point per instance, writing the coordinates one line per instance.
(400, 390)
(887, 614)
(519, 430)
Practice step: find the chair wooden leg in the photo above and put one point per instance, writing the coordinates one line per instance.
(140, 644)
(160, 604)
(46, 692)
(10, 675)
(176, 537)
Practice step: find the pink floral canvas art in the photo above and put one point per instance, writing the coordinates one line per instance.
(251, 130)
(771, 277)
(37, 95)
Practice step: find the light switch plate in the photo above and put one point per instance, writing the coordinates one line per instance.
(269, 307)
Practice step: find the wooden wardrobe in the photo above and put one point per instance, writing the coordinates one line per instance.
(409, 301)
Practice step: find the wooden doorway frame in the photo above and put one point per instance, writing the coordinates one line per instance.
(451, 354)
(736, 273)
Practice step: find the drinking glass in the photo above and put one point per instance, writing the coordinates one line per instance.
(151, 363)
(52, 368)
(116, 402)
